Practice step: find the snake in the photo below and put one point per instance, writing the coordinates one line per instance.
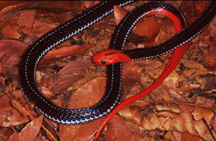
(113, 57)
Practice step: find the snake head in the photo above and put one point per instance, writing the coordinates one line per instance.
(110, 56)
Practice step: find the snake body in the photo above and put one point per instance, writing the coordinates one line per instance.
(36, 51)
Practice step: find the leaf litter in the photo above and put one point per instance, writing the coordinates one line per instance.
(182, 107)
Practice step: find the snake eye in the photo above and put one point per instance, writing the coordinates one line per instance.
(103, 62)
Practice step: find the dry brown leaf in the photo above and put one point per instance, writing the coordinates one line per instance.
(203, 113)
(87, 95)
(193, 8)
(187, 118)
(5, 103)
(10, 30)
(26, 18)
(30, 131)
(209, 58)
(89, 4)
(4, 115)
(67, 132)
(143, 27)
(5, 133)
(131, 113)
(202, 130)
(70, 74)
(44, 79)
(56, 54)
(10, 55)
(40, 28)
(66, 16)
(117, 130)
(170, 107)
(46, 92)
(19, 114)
(8, 6)
(133, 72)
(119, 13)
(79, 132)
(168, 119)
(188, 137)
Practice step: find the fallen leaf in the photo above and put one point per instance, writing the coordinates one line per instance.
(86, 96)
(133, 72)
(89, 94)
(10, 55)
(89, 4)
(117, 130)
(10, 30)
(18, 114)
(56, 54)
(119, 13)
(167, 118)
(144, 28)
(70, 74)
(4, 115)
(170, 107)
(209, 58)
(30, 131)
(5, 133)
(40, 28)
(80, 132)
(187, 136)
(131, 113)
(7, 6)
(26, 18)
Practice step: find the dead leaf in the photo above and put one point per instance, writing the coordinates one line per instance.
(10, 55)
(26, 18)
(186, 137)
(168, 119)
(117, 130)
(185, 115)
(131, 113)
(170, 107)
(209, 58)
(86, 96)
(119, 13)
(44, 79)
(30, 131)
(194, 8)
(89, 4)
(56, 54)
(203, 113)
(70, 74)
(18, 114)
(143, 27)
(7, 6)
(5, 133)
(40, 28)
(66, 16)
(4, 115)
(10, 30)
(133, 72)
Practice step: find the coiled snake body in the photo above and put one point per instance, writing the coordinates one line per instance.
(78, 116)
